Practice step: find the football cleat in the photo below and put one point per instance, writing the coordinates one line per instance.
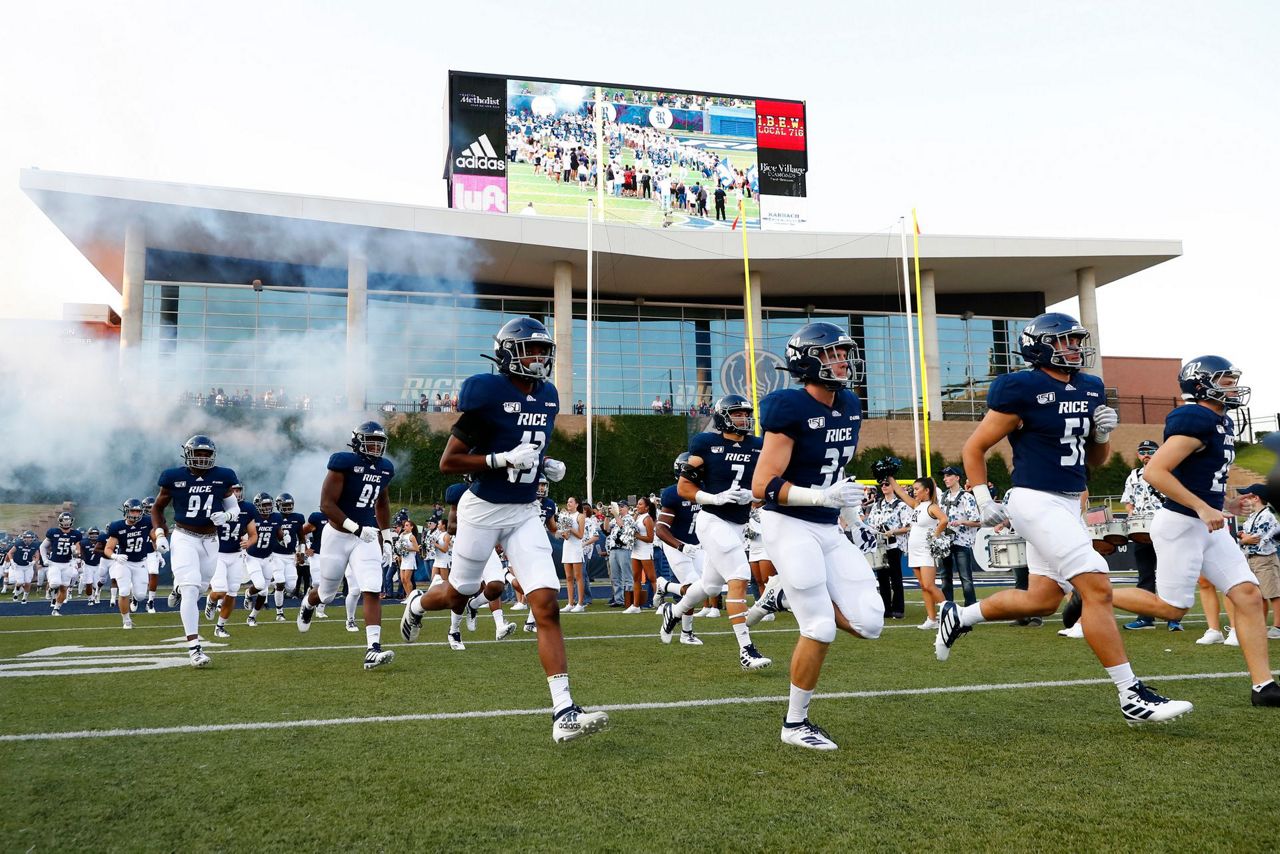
(1141, 705)
(690, 639)
(1072, 611)
(751, 659)
(573, 722)
(198, 657)
(471, 614)
(410, 623)
(133, 606)
(668, 622)
(376, 656)
(770, 602)
(1268, 695)
(280, 617)
(1210, 637)
(208, 609)
(221, 632)
(807, 734)
(949, 630)
(319, 609)
(57, 611)
(128, 622)
(352, 627)
(455, 642)
(305, 615)
(151, 606)
(174, 600)
(504, 629)
(531, 627)
(251, 621)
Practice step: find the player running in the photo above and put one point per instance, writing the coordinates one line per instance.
(355, 503)
(23, 555)
(676, 523)
(1057, 421)
(810, 435)
(234, 537)
(61, 553)
(500, 439)
(126, 550)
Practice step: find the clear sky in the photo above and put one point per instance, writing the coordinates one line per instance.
(1090, 119)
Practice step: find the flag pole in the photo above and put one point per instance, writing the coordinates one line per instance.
(598, 124)
(751, 332)
(587, 410)
(911, 349)
(924, 376)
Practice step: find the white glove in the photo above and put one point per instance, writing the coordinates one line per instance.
(162, 544)
(219, 517)
(386, 553)
(368, 534)
(844, 493)
(737, 495)
(991, 512)
(690, 549)
(553, 469)
(521, 458)
(713, 498)
(285, 539)
(77, 564)
(1105, 419)
(120, 558)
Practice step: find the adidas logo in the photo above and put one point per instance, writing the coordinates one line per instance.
(480, 155)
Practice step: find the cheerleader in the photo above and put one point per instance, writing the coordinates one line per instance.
(642, 555)
(570, 527)
(929, 519)
(407, 549)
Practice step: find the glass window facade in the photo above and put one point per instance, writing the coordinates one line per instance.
(211, 336)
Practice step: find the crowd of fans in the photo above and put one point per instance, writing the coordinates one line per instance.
(245, 399)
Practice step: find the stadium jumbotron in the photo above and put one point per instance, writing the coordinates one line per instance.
(417, 291)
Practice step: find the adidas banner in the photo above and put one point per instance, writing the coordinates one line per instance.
(477, 125)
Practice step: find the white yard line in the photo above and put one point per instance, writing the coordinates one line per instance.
(199, 729)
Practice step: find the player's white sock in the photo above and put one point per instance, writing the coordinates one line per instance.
(455, 622)
(971, 615)
(798, 705)
(560, 697)
(742, 633)
(478, 601)
(1122, 675)
(373, 634)
(189, 608)
(497, 616)
(353, 599)
(222, 621)
(694, 595)
(1262, 685)
(151, 596)
(686, 622)
(279, 599)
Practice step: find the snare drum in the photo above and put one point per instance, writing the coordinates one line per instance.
(1140, 527)
(879, 556)
(1101, 544)
(1008, 551)
(1117, 533)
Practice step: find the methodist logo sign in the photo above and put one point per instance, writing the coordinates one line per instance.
(477, 126)
(735, 380)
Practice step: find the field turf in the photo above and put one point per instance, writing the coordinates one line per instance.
(989, 751)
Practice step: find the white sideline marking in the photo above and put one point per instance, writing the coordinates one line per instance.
(82, 666)
(198, 729)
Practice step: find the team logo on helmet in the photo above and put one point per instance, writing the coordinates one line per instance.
(199, 452)
(814, 354)
(524, 348)
(733, 414)
(1056, 340)
(369, 440)
(1202, 379)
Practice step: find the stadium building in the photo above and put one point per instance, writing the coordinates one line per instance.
(216, 284)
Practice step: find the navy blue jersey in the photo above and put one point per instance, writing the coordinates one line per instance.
(89, 552)
(546, 510)
(62, 544)
(496, 417)
(825, 439)
(1205, 471)
(453, 494)
(363, 482)
(229, 534)
(23, 555)
(291, 522)
(131, 540)
(726, 464)
(195, 497)
(317, 522)
(1057, 417)
(682, 510)
(263, 545)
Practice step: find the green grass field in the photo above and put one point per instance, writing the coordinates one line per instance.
(1256, 459)
(552, 199)
(981, 753)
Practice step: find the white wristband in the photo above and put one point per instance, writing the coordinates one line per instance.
(803, 496)
(982, 494)
(704, 497)
(350, 526)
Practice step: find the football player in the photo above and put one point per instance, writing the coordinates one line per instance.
(676, 523)
(810, 435)
(202, 499)
(125, 549)
(153, 562)
(24, 552)
(91, 554)
(234, 537)
(1057, 421)
(61, 552)
(717, 477)
(261, 557)
(1189, 531)
(354, 500)
(500, 439)
(284, 551)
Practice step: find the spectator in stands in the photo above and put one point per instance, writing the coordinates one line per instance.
(579, 408)
(657, 405)
(423, 402)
